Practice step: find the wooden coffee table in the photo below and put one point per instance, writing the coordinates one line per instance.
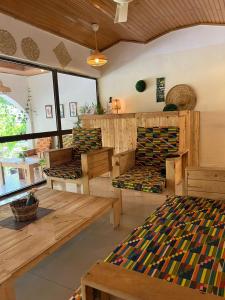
(65, 215)
(28, 165)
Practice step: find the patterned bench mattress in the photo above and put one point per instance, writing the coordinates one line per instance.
(182, 242)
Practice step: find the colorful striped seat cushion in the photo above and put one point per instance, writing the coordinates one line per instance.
(182, 242)
(70, 170)
(141, 178)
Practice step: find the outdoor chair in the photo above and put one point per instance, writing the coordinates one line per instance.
(83, 161)
(41, 146)
(156, 163)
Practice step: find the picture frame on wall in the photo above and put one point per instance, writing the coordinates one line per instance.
(160, 89)
(73, 109)
(48, 111)
(62, 111)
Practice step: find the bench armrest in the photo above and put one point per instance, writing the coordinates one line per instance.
(97, 162)
(56, 157)
(175, 170)
(122, 162)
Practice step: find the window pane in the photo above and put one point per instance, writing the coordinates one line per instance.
(26, 101)
(21, 163)
(42, 113)
(77, 95)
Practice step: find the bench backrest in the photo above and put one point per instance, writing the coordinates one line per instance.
(86, 139)
(155, 144)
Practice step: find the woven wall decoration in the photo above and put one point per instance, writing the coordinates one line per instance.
(62, 54)
(30, 49)
(7, 43)
(183, 96)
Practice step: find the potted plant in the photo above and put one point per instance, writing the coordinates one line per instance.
(22, 155)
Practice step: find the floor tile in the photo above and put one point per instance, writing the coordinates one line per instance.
(32, 287)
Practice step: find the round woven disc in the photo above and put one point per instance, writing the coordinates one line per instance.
(7, 43)
(30, 48)
(183, 96)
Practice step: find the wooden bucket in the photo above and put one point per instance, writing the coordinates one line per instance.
(23, 213)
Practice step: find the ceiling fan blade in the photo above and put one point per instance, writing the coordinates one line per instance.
(121, 13)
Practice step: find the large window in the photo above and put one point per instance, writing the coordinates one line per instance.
(40, 106)
(23, 109)
(77, 95)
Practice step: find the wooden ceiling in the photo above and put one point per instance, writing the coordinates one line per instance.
(147, 20)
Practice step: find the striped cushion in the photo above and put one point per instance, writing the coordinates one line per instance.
(86, 139)
(70, 170)
(141, 178)
(182, 242)
(155, 144)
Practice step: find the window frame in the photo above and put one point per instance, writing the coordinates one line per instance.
(58, 132)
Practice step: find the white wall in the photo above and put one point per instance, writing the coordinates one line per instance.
(42, 94)
(71, 89)
(194, 56)
(75, 89)
(19, 93)
(19, 87)
(47, 42)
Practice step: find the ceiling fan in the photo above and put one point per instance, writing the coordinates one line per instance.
(121, 10)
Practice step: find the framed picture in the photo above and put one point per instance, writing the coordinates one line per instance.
(48, 111)
(160, 89)
(73, 109)
(62, 112)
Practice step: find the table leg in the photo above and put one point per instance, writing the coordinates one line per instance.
(115, 215)
(7, 291)
(2, 176)
(30, 175)
(21, 173)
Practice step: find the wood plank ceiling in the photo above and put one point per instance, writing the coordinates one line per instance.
(147, 20)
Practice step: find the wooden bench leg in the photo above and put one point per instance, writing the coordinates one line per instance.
(85, 183)
(88, 293)
(115, 215)
(7, 291)
(170, 176)
(121, 201)
(49, 183)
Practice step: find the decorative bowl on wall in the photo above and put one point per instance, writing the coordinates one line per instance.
(140, 86)
(170, 107)
(183, 96)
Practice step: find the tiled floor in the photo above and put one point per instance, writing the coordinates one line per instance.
(58, 275)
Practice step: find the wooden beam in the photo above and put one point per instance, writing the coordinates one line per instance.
(130, 285)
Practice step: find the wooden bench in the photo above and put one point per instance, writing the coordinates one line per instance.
(64, 215)
(113, 282)
(109, 281)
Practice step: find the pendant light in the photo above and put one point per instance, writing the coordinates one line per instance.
(96, 59)
(4, 89)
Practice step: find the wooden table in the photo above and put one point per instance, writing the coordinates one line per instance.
(69, 214)
(27, 166)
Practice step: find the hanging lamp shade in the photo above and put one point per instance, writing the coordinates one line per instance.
(4, 89)
(96, 59)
